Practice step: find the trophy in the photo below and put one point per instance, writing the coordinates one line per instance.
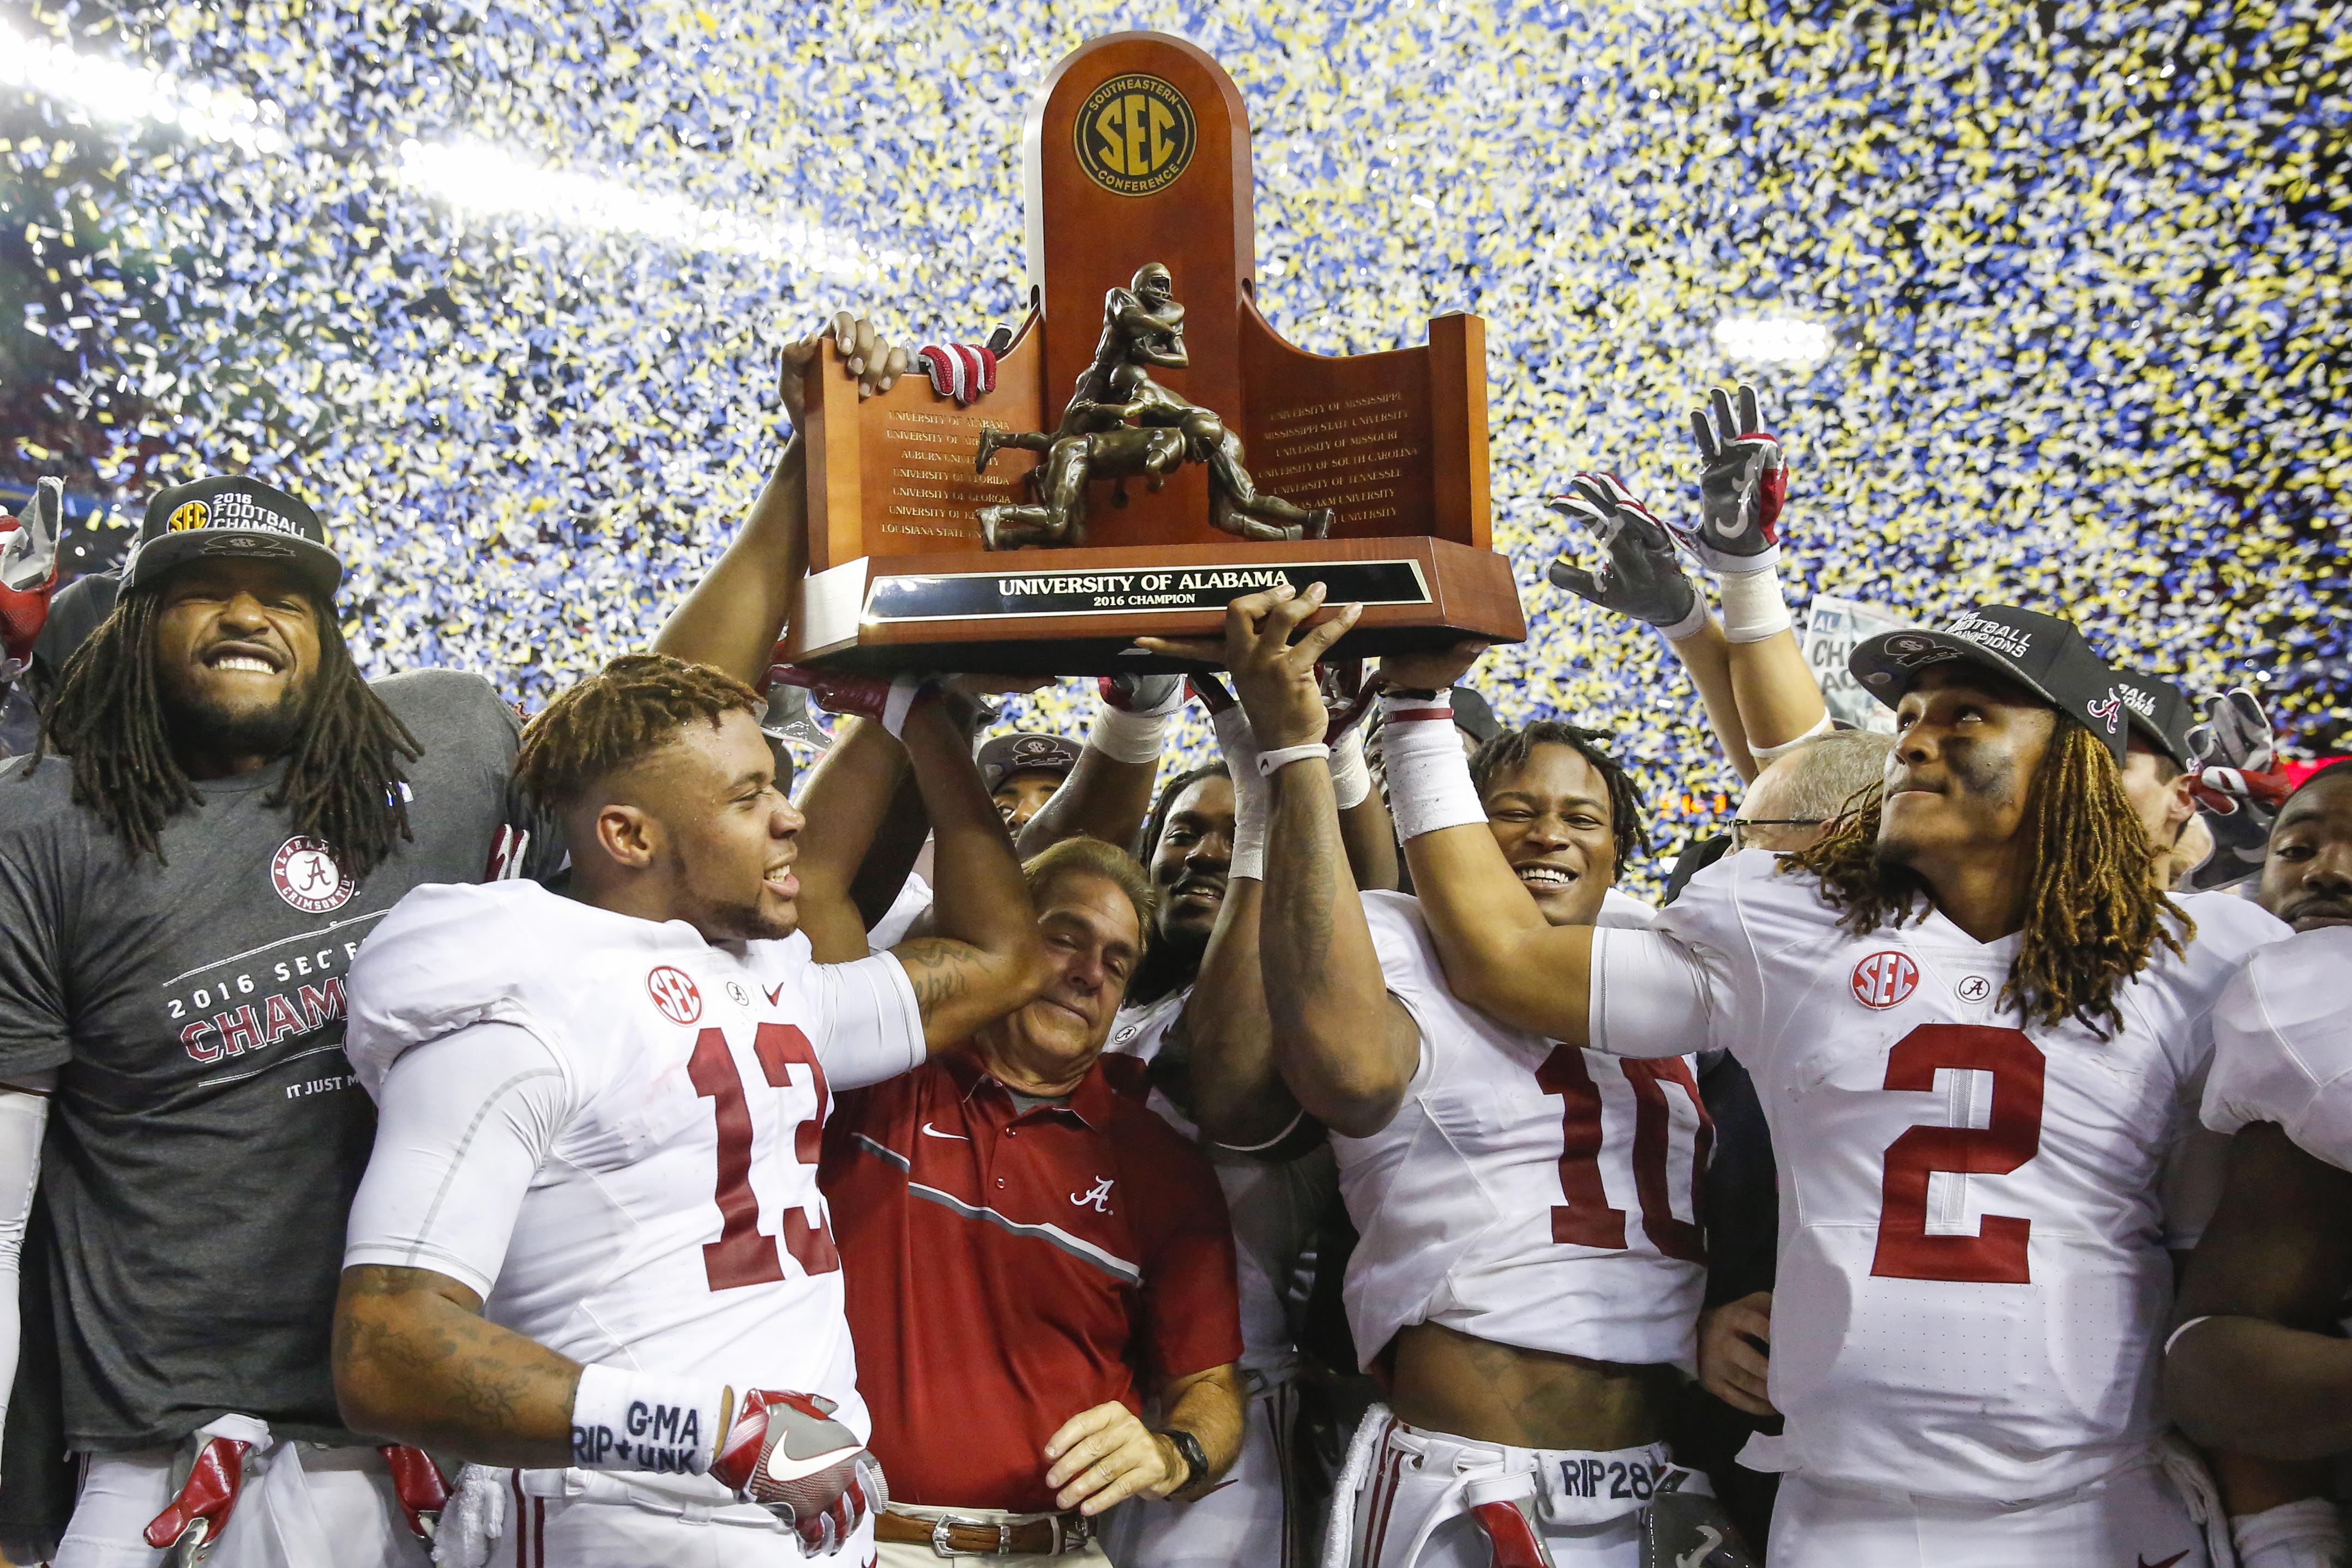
(1197, 457)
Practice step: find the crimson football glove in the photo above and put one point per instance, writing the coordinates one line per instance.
(28, 573)
(1743, 479)
(199, 1514)
(1642, 579)
(786, 1453)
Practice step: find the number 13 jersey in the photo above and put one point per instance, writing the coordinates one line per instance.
(1526, 1192)
(1974, 1214)
(609, 1128)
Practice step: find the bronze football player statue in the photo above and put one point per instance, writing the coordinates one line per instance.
(1121, 423)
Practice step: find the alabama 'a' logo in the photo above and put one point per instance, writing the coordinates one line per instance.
(305, 875)
(2109, 712)
(1135, 134)
(673, 992)
(1884, 979)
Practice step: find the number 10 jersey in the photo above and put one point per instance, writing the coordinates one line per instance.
(1973, 1280)
(1526, 1192)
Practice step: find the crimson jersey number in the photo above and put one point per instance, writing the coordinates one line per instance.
(1996, 1255)
(1586, 1219)
(743, 1255)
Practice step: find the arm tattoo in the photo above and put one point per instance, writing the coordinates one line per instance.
(939, 969)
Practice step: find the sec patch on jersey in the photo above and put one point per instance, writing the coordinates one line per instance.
(1884, 979)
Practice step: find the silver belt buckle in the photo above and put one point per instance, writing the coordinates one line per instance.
(940, 1546)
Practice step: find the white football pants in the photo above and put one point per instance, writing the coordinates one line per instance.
(1410, 1494)
(1244, 1518)
(2133, 1519)
(302, 1506)
(539, 1518)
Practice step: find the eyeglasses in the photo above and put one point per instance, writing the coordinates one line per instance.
(1741, 825)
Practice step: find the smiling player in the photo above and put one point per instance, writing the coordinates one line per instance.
(1978, 1030)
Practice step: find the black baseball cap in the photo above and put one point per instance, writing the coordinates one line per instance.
(228, 517)
(2042, 652)
(2160, 710)
(1473, 715)
(1003, 756)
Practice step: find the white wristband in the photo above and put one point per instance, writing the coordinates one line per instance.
(1753, 609)
(1239, 742)
(901, 702)
(1125, 736)
(1690, 625)
(1270, 763)
(1429, 776)
(1351, 776)
(1774, 753)
(627, 1420)
(2304, 1534)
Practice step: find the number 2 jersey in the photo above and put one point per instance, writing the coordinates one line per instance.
(609, 1128)
(1526, 1192)
(1973, 1279)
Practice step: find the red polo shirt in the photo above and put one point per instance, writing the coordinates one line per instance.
(1007, 1270)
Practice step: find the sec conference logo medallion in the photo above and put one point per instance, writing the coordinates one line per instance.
(1884, 979)
(1135, 135)
(306, 876)
(673, 991)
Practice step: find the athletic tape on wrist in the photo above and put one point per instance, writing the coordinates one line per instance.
(1429, 776)
(1774, 753)
(1351, 776)
(904, 691)
(1753, 609)
(2302, 1534)
(1125, 736)
(1239, 742)
(625, 1420)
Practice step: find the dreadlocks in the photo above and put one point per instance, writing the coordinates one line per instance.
(344, 778)
(622, 714)
(2093, 914)
(1509, 751)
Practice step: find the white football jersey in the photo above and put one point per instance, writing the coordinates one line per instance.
(674, 1223)
(1526, 1192)
(1275, 1204)
(2282, 1045)
(1973, 1280)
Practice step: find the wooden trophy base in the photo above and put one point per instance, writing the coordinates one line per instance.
(1079, 611)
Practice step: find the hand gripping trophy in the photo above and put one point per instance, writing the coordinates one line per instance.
(1122, 424)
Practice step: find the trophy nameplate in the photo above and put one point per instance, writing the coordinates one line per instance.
(1156, 446)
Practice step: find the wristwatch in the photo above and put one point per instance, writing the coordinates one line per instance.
(1196, 1460)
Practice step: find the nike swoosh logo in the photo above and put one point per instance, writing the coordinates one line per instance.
(2168, 1563)
(773, 992)
(1220, 1487)
(932, 1132)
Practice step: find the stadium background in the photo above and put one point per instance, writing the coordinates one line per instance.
(2047, 301)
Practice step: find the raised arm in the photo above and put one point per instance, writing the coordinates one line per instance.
(1237, 1093)
(848, 796)
(987, 959)
(1492, 938)
(1345, 1047)
(1108, 793)
(732, 619)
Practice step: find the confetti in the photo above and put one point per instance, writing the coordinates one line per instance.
(2058, 291)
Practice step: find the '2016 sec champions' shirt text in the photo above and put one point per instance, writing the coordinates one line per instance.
(205, 1137)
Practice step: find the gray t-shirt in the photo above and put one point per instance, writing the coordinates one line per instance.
(206, 1134)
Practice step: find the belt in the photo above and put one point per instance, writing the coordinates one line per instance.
(1049, 1535)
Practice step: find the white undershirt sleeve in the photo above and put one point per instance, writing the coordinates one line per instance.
(23, 1115)
(1652, 996)
(463, 1124)
(870, 1026)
